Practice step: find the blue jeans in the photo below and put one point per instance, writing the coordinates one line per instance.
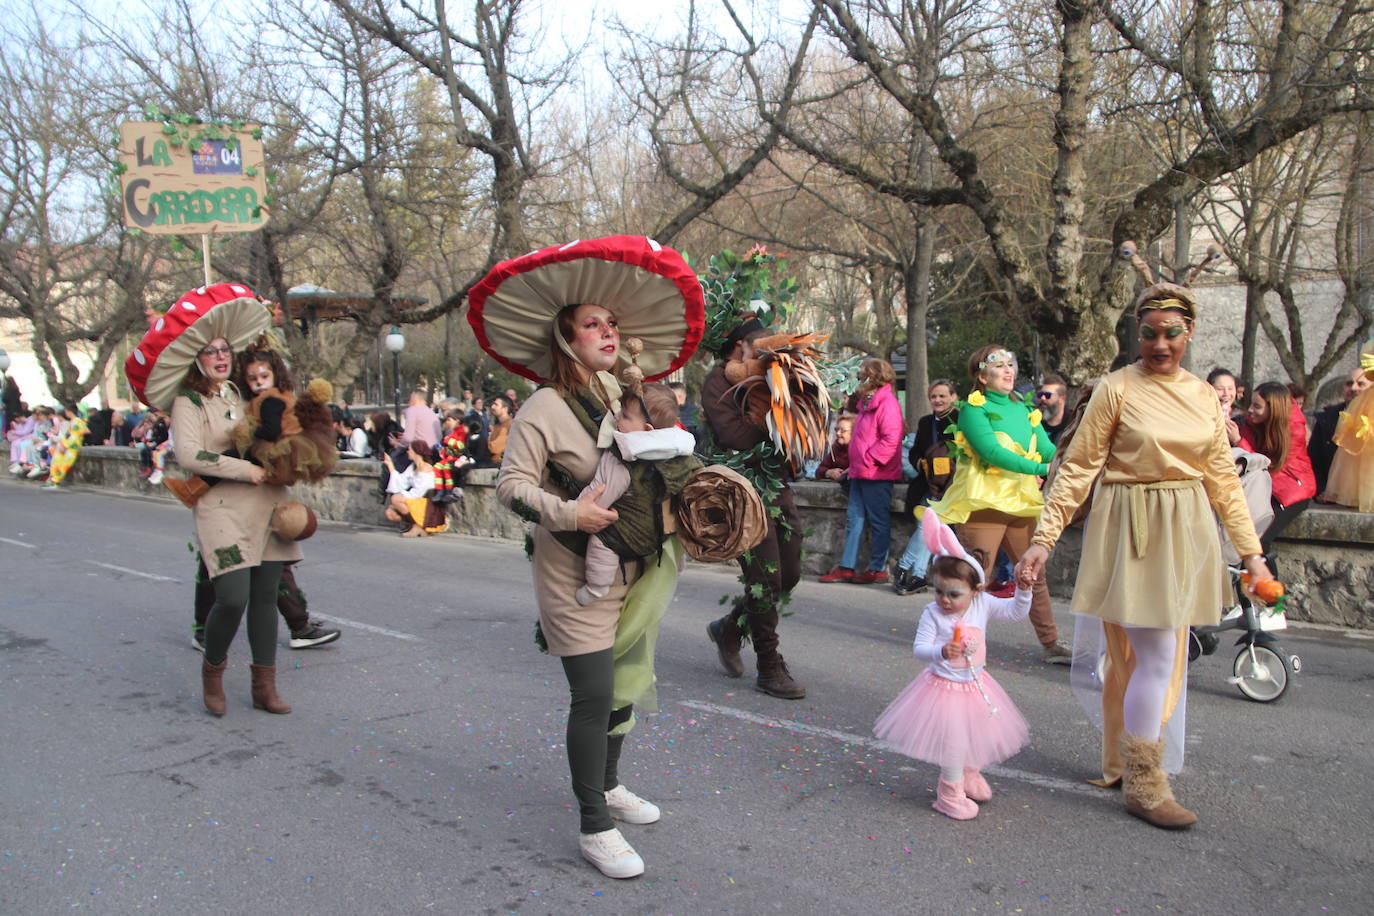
(870, 502)
(916, 558)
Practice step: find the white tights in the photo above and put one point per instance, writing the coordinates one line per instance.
(952, 774)
(1143, 706)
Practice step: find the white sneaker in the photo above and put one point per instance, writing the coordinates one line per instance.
(629, 807)
(155, 478)
(16, 468)
(609, 852)
(36, 472)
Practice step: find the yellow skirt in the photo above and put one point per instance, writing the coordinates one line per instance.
(418, 508)
(979, 486)
(1180, 580)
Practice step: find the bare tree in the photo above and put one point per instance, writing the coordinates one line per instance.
(1290, 219)
(1290, 67)
(66, 268)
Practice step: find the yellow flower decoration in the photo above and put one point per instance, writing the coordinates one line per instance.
(1363, 430)
(1035, 418)
(977, 399)
(1367, 364)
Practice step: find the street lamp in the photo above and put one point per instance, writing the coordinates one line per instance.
(396, 342)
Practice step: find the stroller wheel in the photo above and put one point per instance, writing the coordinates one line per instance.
(1194, 646)
(1261, 673)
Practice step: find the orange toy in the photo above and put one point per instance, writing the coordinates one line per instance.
(1268, 590)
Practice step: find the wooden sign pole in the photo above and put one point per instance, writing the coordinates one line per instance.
(205, 256)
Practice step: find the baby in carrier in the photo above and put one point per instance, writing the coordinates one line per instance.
(646, 430)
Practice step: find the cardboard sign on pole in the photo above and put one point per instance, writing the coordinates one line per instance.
(192, 187)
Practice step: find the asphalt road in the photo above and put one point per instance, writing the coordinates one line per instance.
(423, 767)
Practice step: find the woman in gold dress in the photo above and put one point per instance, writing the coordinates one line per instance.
(1151, 564)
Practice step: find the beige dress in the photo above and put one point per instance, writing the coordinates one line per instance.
(1151, 555)
(232, 519)
(546, 429)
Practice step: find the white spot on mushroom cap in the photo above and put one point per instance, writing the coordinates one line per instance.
(570, 244)
(140, 358)
(189, 306)
(161, 322)
(241, 290)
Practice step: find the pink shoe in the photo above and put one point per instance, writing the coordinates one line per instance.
(975, 786)
(951, 801)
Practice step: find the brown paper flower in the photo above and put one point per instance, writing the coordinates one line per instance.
(720, 515)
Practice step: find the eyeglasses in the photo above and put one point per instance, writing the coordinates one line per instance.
(216, 351)
(1043, 395)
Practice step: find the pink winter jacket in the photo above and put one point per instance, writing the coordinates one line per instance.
(875, 450)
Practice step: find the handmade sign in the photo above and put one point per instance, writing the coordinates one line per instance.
(178, 182)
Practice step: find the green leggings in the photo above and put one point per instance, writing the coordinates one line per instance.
(593, 755)
(253, 588)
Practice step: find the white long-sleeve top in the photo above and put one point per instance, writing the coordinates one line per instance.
(410, 482)
(937, 628)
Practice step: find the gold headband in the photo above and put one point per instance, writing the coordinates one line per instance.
(1175, 304)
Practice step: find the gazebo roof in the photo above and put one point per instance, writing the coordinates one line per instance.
(316, 303)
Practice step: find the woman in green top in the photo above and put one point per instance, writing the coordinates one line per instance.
(994, 500)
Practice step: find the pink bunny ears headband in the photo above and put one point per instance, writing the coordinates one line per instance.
(942, 542)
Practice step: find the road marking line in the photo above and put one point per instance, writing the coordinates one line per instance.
(394, 634)
(19, 543)
(133, 572)
(1035, 779)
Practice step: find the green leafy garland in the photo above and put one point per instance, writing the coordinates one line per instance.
(732, 282)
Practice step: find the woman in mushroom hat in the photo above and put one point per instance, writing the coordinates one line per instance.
(183, 364)
(556, 316)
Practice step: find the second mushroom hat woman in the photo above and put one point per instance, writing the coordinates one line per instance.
(556, 316)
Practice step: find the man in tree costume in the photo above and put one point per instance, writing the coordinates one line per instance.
(766, 411)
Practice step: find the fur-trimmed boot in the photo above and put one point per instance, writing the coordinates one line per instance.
(975, 786)
(265, 690)
(212, 686)
(951, 801)
(1146, 786)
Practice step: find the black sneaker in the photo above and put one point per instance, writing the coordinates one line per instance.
(198, 639)
(312, 636)
(904, 582)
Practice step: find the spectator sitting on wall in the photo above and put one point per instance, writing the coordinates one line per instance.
(835, 465)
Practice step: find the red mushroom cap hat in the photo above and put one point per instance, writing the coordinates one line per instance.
(159, 362)
(653, 293)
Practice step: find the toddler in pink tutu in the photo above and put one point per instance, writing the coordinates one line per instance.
(954, 714)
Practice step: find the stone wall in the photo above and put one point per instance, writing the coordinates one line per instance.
(1326, 556)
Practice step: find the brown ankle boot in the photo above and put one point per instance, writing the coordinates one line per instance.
(212, 686)
(189, 491)
(265, 690)
(1146, 786)
(775, 680)
(726, 635)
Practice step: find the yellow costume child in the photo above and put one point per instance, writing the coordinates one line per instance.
(1351, 481)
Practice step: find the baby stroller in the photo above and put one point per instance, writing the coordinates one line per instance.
(1262, 670)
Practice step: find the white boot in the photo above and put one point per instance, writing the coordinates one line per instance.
(609, 852)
